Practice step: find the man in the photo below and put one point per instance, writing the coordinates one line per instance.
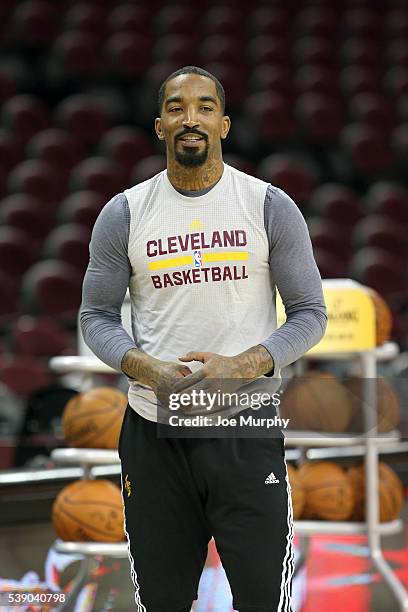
(202, 247)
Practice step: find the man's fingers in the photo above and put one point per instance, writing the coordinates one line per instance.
(188, 381)
(183, 371)
(196, 356)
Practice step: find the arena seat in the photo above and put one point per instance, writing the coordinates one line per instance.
(83, 117)
(126, 145)
(8, 87)
(182, 49)
(397, 53)
(292, 175)
(382, 233)
(175, 19)
(266, 77)
(271, 115)
(397, 23)
(328, 236)
(11, 150)
(367, 150)
(380, 270)
(388, 199)
(128, 55)
(28, 215)
(23, 374)
(318, 21)
(8, 297)
(315, 50)
(68, 243)
(320, 117)
(361, 52)
(25, 115)
(86, 17)
(77, 55)
(266, 50)
(82, 208)
(269, 20)
(217, 48)
(129, 18)
(17, 252)
(34, 22)
(56, 147)
(360, 79)
(329, 265)
(336, 203)
(402, 107)
(98, 174)
(52, 288)
(312, 78)
(43, 337)
(362, 22)
(373, 110)
(222, 20)
(148, 167)
(37, 178)
(400, 144)
(396, 81)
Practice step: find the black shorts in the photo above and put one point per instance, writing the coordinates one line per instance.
(178, 493)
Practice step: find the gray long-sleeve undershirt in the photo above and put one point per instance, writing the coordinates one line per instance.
(291, 262)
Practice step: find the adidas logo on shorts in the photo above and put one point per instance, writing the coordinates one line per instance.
(271, 479)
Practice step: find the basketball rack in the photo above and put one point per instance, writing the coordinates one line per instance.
(338, 295)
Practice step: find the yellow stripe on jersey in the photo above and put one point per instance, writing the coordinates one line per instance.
(173, 262)
(224, 256)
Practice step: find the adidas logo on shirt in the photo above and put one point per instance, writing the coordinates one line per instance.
(271, 479)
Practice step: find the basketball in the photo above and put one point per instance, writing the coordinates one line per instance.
(391, 492)
(388, 405)
(94, 419)
(89, 510)
(383, 317)
(329, 494)
(318, 402)
(297, 492)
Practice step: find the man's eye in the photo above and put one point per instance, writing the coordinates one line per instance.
(174, 109)
(207, 108)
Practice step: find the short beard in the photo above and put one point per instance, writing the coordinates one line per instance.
(192, 159)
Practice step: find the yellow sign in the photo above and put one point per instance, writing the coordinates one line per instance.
(351, 318)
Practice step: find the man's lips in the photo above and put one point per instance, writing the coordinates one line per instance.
(191, 138)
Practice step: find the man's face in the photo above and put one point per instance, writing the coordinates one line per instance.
(191, 122)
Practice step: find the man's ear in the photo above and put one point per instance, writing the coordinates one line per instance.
(226, 124)
(158, 128)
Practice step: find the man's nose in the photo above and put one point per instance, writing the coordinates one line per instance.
(191, 118)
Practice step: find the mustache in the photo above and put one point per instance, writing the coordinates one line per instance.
(196, 132)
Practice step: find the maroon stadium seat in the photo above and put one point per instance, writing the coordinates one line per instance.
(56, 147)
(182, 49)
(336, 203)
(25, 115)
(290, 174)
(360, 79)
(8, 87)
(218, 48)
(52, 288)
(86, 17)
(35, 22)
(397, 23)
(362, 22)
(315, 50)
(382, 233)
(39, 179)
(43, 337)
(128, 55)
(361, 52)
(320, 117)
(17, 252)
(176, 19)
(78, 55)
(367, 150)
(271, 115)
(329, 265)
(83, 117)
(372, 109)
(82, 208)
(98, 174)
(311, 78)
(8, 297)
(24, 374)
(269, 50)
(402, 107)
(148, 167)
(328, 236)
(396, 81)
(69, 243)
(126, 145)
(271, 21)
(11, 150)
(378, 269)
(267, 77)
(222, 20)
(388, 199)
(130, 18)
(28, 215)
(397, 53)
(318, 21)
(400, 145)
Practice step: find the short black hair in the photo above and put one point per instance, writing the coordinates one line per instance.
(192, 70)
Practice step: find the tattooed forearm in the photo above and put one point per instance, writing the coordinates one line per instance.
(254, 362)
(139, 366)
